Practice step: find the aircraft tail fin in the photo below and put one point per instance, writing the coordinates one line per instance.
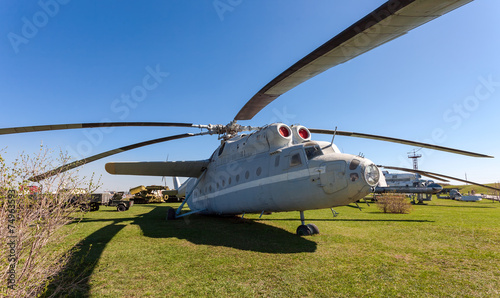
(176, 182)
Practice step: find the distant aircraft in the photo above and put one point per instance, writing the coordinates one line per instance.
(411, 184)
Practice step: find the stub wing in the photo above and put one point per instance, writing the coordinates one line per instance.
(158, 168)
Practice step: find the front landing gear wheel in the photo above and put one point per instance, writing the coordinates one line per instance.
(171, 214)
(313, 228)
(304, 230)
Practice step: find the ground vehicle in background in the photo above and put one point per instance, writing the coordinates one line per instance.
(111, 200)
(149, 194)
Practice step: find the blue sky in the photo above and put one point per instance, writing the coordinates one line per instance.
(84, 57)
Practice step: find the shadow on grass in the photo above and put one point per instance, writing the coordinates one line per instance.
(350, 219)
(231, 232)
(73, 280)
(234, 232)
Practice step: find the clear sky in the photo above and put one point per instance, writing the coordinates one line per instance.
(77, 61)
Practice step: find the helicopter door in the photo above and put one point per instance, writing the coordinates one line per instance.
(333, 178)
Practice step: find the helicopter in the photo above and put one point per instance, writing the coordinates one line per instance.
(277, 167)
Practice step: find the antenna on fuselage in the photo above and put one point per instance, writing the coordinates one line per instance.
(333, 138)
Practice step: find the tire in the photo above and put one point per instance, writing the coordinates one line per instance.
(304, 230)
(313, 228)
(94, 207)
(121, 208)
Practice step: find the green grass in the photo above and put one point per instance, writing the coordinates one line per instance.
(445, 248)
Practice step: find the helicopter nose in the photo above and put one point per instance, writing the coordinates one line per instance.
(364, 169)
(353, 173)
(371, 173)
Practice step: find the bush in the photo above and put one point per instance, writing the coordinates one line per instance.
(394, 203)
(31, 218)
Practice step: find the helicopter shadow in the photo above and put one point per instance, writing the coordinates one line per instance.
(233, 232)
(352, 219)
(73, 279)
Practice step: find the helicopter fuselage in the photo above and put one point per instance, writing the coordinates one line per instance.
(278, 168)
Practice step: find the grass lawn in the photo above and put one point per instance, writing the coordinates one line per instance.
(445, 248)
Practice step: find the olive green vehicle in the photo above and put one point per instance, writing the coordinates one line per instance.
(149, 194)
(111, 200)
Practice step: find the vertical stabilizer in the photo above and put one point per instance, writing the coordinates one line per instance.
(176, 182)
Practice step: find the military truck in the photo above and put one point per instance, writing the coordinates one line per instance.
(118, 201)
(81, 198)
(111, 200)
(149, 194)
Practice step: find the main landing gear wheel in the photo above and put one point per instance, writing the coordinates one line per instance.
(304, 230)
(171, 214)
(94, 207)
(313, 228)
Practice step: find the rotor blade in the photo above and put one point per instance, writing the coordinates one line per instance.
(159, 168)
(396, 140)
(437, 178)
(81, 162)
(23, 129)
(425, 173)
(391, 20)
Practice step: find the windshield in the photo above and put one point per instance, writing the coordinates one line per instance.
(313, 151)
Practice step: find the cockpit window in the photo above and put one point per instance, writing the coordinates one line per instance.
(313, 151)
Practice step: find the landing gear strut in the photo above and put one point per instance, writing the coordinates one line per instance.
(171, 214)
(306, 230)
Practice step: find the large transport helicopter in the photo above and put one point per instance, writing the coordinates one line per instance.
(279, 167)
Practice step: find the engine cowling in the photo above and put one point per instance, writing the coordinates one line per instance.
(279, 135)
(300, 134)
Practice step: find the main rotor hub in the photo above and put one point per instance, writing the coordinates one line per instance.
(227, 131)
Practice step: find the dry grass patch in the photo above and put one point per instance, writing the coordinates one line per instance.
(394, 203)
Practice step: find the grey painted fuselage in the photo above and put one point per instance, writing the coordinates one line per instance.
(267, 171)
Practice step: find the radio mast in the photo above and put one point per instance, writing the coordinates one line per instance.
(415, 158)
